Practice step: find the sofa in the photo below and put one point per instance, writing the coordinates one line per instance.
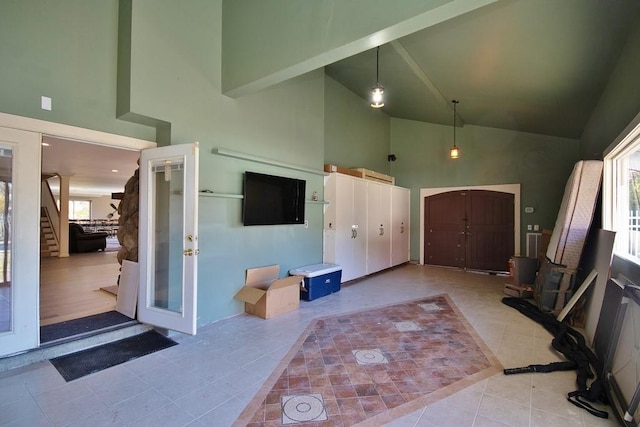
(80, 241)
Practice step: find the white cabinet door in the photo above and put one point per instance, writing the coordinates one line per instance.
(345, 225)
(359, 227)
(378, 227)
(400, 225)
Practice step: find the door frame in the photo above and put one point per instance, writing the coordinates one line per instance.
(502, 188)
(76, 133)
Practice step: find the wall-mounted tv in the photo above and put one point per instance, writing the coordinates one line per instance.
(272, 200)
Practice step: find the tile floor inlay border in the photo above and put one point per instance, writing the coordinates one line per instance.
(423, 366)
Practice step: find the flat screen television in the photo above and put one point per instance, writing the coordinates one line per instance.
(272, 200)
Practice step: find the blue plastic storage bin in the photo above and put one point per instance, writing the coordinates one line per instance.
(319, 280)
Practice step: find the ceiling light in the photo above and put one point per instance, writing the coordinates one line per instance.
(46, 144)
(377, 91)
(454, 153)
(115, 170)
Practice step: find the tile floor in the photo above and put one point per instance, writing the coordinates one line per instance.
(209, 379)
(374, 365)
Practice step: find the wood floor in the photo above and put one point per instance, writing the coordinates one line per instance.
(70, 287)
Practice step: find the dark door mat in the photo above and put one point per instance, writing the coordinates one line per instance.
(81, 326)
(85, 362)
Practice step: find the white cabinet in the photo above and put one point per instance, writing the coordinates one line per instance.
(400, 217)
(361, 226)
(378, 227)
(345, 240)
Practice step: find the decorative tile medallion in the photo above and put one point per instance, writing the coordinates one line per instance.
(303, 408)
(369, 356)
(406, 326)
(430, 307)
(362, 369)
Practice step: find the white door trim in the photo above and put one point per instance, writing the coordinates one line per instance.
(503, 188)
(70, 132)
(73, 132)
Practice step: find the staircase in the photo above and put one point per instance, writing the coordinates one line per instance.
(48, 242)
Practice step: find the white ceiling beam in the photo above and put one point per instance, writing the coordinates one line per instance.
(423, 77)
(416, 23)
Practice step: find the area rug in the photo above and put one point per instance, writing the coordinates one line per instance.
(82, 325)
(77, 365)
(369, 367)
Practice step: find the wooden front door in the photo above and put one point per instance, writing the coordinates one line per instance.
(470, 229)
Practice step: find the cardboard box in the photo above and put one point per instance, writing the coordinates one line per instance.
(375, 176)
(341, 169)
(266, 296)
(319, 280)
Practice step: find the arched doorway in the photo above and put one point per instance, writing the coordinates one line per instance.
(471, 229)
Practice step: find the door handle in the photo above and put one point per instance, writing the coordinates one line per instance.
(381, 230)
(188, 252)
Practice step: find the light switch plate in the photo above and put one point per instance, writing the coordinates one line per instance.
(45, 103)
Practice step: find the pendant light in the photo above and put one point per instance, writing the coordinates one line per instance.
(454, 153)
(377, 91)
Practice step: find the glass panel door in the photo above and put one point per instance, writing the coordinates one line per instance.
(168, 237)
(6, 209)
(19, 240)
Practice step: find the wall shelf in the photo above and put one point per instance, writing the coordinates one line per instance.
(220, 195)
(263, 160)
(240, 196)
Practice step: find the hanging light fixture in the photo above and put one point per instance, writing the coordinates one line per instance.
(377, 100)
(454, 153)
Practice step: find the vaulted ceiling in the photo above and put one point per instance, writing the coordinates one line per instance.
(535, 66)
(528, 65)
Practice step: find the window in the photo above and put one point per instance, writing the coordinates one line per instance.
(79, 209)
(621, 191)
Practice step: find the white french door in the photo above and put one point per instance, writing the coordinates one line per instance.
(168, 244)
(19, 240)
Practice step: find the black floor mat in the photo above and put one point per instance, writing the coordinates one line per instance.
(81, 326)
(76, 365)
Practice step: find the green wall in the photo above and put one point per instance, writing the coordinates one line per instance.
(619, 103)
(66, 50)
(356, 135)
(488, 156)
(175, 71)
(169, 71)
